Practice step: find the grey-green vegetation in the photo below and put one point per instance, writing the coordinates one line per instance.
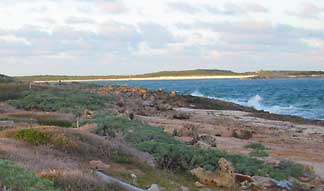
(17, 178)
(61, 100)
(175, 155)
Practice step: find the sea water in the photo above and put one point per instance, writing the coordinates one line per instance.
(297, 96)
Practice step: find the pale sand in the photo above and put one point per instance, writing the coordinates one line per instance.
(160, 78)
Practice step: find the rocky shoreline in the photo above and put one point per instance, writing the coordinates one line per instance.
(195, 124)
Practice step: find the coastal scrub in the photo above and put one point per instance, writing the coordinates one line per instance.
(17, 178)
(175, 155)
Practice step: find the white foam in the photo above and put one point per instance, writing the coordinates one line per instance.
(197, 94)
(257, 103)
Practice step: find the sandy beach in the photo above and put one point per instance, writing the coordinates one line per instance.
(158, 78)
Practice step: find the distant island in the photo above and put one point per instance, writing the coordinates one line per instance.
(175, 75)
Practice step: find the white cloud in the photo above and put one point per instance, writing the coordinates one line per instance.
(126, 36)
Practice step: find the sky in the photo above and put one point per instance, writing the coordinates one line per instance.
(104, 37)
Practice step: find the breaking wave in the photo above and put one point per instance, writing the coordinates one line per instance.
(257, 103)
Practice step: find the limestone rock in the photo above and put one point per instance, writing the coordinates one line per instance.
(155, 187)
(199, 185)
(184, 188)
(181, 115)
(208, 139)
(99, 165)
(223, 177)
(243, 178)
(202, 145)
(164, 107)
(173, 94)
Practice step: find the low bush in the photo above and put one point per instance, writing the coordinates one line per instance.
(42, 137)
(259, 150)
(259, 153)
(256, 146)
(6, 79)
(10, 91)
(62, 100)
(291, 168)
(58, 123)
(175, 155)
(32, 136)
(17, 178)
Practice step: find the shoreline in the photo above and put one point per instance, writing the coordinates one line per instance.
(157, 78)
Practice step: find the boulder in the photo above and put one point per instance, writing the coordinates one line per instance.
(202, 145)
(155, 187)
(223, 177)
(164, 107)
(208, 139)
(148, 103)
(199, 185)
(186, 131)
(173, 94)
(7, 124)
(243, 178)
(181, 115)
(99, 165)
(184, 188)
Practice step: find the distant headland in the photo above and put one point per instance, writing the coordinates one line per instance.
(179, 75)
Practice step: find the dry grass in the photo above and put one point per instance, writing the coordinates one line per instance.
(42, 118)
(76, 180)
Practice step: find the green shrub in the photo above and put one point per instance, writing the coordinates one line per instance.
(32, 136)
(62, 100)
(10, 91)
(259, 153)
(175, 155)
(120, 157)
(256, 146)
(17, 178)
(291, 168)
(58, 123)
(259, 150)
(6, 79)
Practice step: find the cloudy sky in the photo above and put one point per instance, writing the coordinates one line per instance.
(98, 37)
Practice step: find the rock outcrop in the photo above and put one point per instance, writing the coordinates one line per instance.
(223, 177)
(99, 165)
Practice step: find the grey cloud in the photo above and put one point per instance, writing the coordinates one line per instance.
(257, 36)
(112, 37)
(155, 35)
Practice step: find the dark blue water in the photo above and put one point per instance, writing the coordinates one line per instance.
(301, 97)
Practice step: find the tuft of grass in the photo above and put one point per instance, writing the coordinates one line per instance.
(17, 178)
(76, 180)
(32, 136)
(259, 153)
(58, 123)
(259, 150)
(37, 136)
(256, 146)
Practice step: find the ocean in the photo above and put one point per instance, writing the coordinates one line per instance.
(302, 97)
